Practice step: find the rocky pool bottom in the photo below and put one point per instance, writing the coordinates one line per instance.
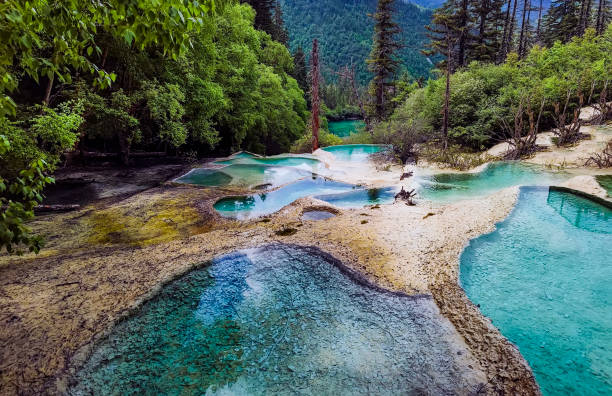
(282, 320)
(543, 277)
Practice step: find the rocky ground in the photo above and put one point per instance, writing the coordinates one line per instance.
(102, 261)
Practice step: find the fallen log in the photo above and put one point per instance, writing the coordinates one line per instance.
(55, 208)
(406, 175)
(406, 196)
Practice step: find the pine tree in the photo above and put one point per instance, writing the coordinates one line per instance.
(300, 73)
(508, 30)
(314, 93)
(383, 62)
(263, 15)
(603, 16)
(280, 33)
(489, 16)
(562, 21)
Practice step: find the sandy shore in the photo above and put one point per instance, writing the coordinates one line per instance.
(102, 262)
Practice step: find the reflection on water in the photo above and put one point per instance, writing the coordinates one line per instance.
(255, 205)
(279, 320)
(448, 187)
(580, 212)
(543, 277)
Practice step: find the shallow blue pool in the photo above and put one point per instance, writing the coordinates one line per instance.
(279, 320)
(446, 187)
(354, 152)
(360, 197)
(544, 277)
(255, 205)
(244, 175)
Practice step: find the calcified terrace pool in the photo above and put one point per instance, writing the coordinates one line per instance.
(449, 187)
(280, 320)
(544, 278)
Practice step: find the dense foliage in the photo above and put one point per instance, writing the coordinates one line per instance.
(345, 33)
(485, 96)
(167, 77)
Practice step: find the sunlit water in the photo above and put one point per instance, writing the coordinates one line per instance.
(336, 193)
(255, 205)
(447, 187)
(279, 320)
(346, 127)
(244, 175)
(544, 277)
(354, 152)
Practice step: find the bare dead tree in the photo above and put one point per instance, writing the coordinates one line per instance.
(314, 93)
(603, 159)
(568, 133)
(603, 109)
(521, 143)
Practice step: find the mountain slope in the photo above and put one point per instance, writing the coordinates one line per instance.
(345, 33)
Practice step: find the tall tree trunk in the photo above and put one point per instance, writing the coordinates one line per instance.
(599, 27)
(503, 51)
(449, 62)
(521, 50)
(47, 97)
(512, 23)
(587, 15)
(581, 19)
(315, 94)
(538, 32)
(463, 23)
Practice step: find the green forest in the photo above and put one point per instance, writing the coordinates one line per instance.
(345, 33)
(186, 79)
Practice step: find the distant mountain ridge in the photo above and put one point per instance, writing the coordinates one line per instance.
(344, 31)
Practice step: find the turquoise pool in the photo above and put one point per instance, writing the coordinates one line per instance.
(354, 152)
(281, 160)
(244, 175)
(544, 278)
(360, 197)
(255, 205)
(448, 187)
(346, 127)
(278, 320)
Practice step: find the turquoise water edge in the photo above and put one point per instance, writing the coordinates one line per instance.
(278, 320)
(544, 278)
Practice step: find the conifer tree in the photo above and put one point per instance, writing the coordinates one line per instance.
(603, 16)
(314, 93)
(280, 32)
(263, 15)
(383, 62)
(562, 21)
(300, 73)
(489, 18)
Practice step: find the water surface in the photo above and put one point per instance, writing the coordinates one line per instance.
(354, 152)
(244, 175)
(544, 278)
(346, 127)
(361, 197)
(279, 320)
(255, 205)
(447, 187)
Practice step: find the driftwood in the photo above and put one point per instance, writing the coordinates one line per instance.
(406, 196)
(55, 208)
(406, 175)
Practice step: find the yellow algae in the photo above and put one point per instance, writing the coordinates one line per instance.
(154, 222)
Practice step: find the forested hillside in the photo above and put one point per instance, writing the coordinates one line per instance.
(345, 33)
